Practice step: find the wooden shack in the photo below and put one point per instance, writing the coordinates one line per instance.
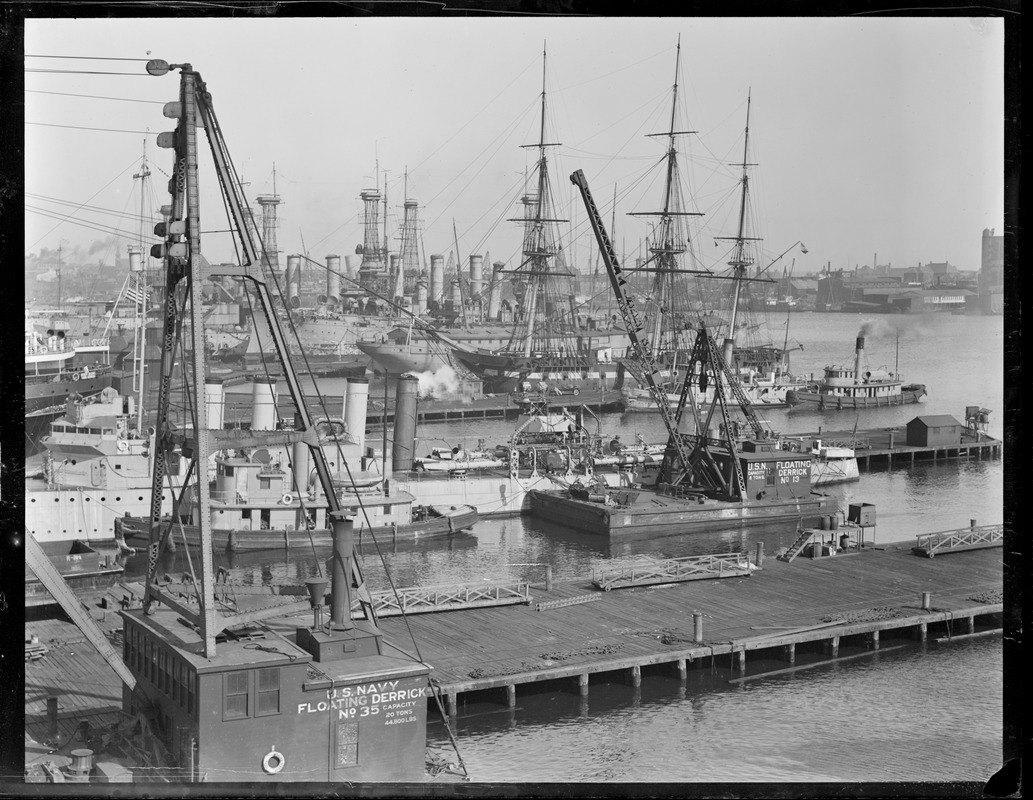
(934, 430)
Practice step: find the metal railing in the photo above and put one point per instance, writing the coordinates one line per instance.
(717, 565)
(945, 541)
(425, 599)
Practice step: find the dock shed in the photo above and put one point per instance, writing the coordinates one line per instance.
(934, 430)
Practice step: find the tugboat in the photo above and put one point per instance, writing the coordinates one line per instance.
(859, 386)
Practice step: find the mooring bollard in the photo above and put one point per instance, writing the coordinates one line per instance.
(759, 558)
(927, 601)
(697, 627)
(972, 524)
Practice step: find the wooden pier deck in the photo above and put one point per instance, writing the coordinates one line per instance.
(888, 446)
(575, 631)
(811, 604)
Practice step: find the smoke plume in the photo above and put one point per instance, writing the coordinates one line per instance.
(442, 384)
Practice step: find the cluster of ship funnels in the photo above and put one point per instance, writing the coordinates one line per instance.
(352, 422)
(431, 289)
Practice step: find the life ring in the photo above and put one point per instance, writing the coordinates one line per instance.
(75, 376)
(43, 348)
(123, 446)
(273, 762)
(287, 499)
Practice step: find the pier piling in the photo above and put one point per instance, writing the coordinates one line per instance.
(926, 601)
(511, 695)
(682, 668)
(790, 654)
(636, 676)
(582, 684)
(759, 559)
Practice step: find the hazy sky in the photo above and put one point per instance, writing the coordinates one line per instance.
(870, 135)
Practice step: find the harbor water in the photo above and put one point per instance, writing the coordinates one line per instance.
(924, 712)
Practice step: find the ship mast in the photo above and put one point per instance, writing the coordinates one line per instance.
(540, 246)
(741, 258)
(140, 306)
(669, 240)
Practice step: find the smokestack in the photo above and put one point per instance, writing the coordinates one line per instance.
(340, 569)
(729, 352)
(421, 296)
(263, 404)
(457, 295)
(437, 279)
(857, 362)
(349, 267)
(299, 464)
(355, 410)
(293, 280)
(135, 260)
(495, 292)
(476, 276)
(213, 393)
(404, 444)
(333, 280)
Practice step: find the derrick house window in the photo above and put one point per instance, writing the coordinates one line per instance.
(268, 695)
(235, 695)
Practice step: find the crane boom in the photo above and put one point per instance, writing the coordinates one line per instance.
(632, 323)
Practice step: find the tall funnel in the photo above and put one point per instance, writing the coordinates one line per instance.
(421, 296)
(333, 280)
(495, 293)
(213, 392)
(263, 404)
(293, 280)
(300, 465)
(858, 377)
(350, 269)
(476, 276)
(340, 588)
(355, 410)
(729, 352)
(405, 423)
(437, 279)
